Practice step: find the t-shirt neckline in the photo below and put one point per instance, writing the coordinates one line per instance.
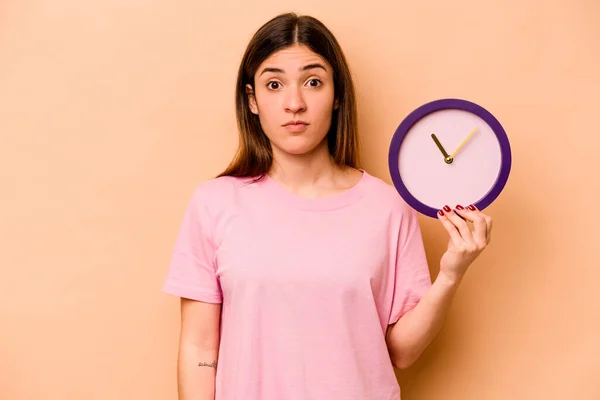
(283, 195)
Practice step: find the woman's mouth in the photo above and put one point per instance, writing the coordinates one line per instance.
(296, 126)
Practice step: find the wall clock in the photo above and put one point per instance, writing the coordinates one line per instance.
(449, 152)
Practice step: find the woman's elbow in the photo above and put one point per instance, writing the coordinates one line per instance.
(404, 361)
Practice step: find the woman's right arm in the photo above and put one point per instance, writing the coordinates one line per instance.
(198, 349)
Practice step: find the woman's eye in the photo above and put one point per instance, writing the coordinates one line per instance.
(273, 85)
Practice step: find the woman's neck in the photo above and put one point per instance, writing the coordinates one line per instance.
(313, 174)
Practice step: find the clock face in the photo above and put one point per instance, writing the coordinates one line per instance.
(449, 152)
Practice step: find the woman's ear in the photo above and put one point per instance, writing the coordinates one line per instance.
(336, 104)
(251, 99)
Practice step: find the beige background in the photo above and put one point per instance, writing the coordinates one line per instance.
(112, 111)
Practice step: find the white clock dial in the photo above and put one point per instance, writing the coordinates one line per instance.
(473, 171)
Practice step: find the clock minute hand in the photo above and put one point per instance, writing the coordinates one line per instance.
(464, 142)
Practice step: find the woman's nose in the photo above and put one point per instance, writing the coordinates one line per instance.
(294, 101)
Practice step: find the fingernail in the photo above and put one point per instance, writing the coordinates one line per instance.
(459, 207)
(472, 207)
(441, 213)
(447, 209)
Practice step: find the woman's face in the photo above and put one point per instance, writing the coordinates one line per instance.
(294, 84)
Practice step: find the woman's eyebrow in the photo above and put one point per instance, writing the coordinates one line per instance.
(304, 68)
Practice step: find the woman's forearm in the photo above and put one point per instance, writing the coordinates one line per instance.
(196, 371)
(415, 330)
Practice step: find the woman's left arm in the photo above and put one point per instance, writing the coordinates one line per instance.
(415, 330)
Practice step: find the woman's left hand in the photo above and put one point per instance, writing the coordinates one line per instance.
(465, 244)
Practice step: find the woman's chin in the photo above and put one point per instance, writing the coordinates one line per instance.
(300, 146)
(298, 150)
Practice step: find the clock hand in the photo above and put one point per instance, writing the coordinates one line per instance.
(464, 142)
(447, 158)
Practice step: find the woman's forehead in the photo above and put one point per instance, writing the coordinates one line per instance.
(293, 59)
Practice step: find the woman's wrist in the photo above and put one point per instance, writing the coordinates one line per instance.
(450, 281)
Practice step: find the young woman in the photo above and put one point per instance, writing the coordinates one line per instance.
(302, 276)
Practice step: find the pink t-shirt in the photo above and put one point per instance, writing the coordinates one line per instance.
(307, 286)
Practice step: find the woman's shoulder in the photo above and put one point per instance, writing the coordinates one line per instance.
(386, 195)
(219, 191)
(220, 186)
(219, 183)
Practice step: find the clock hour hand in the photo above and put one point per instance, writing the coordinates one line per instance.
(447, 157)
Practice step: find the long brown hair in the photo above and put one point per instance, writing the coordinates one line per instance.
(254, 155)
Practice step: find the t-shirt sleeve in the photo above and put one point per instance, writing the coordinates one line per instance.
(192, 269)
(411, 275)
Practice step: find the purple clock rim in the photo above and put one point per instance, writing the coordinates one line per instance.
(442, 104)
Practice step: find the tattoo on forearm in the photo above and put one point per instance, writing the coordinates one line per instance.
(203, 364)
